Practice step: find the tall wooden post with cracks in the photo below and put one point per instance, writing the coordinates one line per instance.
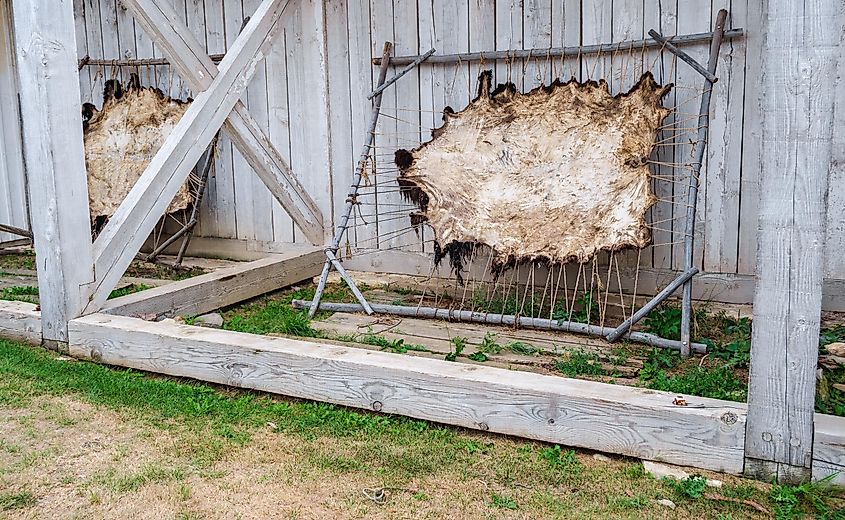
(45, 43)
(799, 43)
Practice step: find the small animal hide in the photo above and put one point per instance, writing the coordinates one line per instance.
(121, 140)
(559, 173)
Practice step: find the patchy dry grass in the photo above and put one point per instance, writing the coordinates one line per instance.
(79, 440)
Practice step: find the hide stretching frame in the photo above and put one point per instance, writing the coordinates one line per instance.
(461, 240)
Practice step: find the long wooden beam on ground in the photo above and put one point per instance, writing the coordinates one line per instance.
(223, 287)
(138, 214)
(159, 19)
(707, 433)
(20, 321)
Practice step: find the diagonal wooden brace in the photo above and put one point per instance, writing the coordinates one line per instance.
(138, 214)
(161, 22)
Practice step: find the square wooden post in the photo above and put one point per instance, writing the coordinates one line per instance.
(798, 41)
(45, 43)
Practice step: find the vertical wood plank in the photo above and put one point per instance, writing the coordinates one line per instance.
(79, 19)
(835, 239)
(94, 37)
(262, 212)
(307, 89)
(52, 125)
(509, 37)
(800, 54)
(597, 28)
(277, 93)
(566, 32)
(721, 210)
(360, 86)
(662, 15)
(241, 173)
(693, 17)
(217, 214)
(12, 177)
(537, 28)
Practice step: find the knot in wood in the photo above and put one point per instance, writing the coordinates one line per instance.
(377, 406)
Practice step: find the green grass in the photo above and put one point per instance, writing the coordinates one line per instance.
(18, 260)
(30, 294)
(129, 289)
(275, 315)
(19, 500)
(21, 294)
(715, 382)
(580, 364)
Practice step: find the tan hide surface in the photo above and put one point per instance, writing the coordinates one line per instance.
(558, 173)
(120, 142)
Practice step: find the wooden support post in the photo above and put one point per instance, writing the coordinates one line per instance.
(188, 56)
(138, 214)
(799, 45)
(55, 161)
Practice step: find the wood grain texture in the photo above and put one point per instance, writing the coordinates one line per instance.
(223, 287)
(123, 236)
(609, 418)
(20, 321)
(52, 135)
(799, 59)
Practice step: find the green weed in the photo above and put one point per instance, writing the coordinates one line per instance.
(397, 346)
(810, 498)
(717, 383)
(580, 364)
(129, 289)
(478, 356)
(690, 487)
(458, 346)
(20, 293)
(659, 360)
(562, 461)
(525, 349)
(489, 344)
(20, 500)
(503, 502)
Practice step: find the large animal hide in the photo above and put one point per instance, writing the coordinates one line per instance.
(558, 174)
(121, 140)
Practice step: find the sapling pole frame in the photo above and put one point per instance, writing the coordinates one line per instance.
(648, 307)
(554, 52)
(501, 319)
(692, 193)
(331, 259)
(187, 230)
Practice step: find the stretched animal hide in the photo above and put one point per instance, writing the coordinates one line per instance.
(121, 140)
(559, 173)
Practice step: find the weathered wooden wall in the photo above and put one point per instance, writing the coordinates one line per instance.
(311, 97)
(13, 208)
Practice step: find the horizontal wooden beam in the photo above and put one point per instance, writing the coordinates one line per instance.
(609, 418)
(20, 321)
(194, 65)
(148, 199)
(223, 287)
(708, 434)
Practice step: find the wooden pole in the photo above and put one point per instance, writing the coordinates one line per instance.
(692, 192)
(351, 201)
(52, 136)
(509, 320)
(798, 45)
